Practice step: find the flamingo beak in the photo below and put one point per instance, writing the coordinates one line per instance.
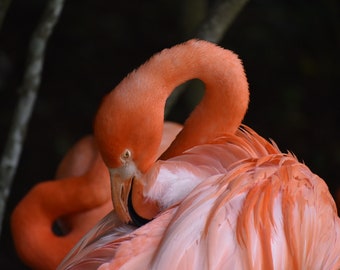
(120, 191)
(127, 195)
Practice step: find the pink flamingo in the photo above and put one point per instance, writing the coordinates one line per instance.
(220, 197)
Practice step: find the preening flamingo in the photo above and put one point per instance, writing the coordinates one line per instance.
(220, 197)
(137, 104)
(78, 198)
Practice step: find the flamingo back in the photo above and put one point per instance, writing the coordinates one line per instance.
(261, 210)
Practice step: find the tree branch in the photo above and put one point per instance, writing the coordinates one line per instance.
(219, 19)
(28, 93)
(4, 4)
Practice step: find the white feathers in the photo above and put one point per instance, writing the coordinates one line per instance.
(127, 170)
(168, 182)
(172, 185)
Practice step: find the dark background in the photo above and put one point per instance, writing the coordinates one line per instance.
(290, 50)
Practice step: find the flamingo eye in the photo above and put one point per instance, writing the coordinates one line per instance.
(125, 155)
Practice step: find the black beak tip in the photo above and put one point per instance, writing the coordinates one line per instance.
(137, 220)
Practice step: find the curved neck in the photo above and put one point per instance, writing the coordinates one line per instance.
(226, 97)
(136, 106)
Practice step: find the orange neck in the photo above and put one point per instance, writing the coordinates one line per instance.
(226, 90)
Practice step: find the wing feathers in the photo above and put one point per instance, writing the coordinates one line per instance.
(255, 208)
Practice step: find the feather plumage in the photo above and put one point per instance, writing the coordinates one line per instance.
(259, 209)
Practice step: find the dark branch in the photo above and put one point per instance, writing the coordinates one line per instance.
(27, 96)
(4, 4)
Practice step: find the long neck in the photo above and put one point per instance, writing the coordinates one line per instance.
(136, 106)
(226, 90)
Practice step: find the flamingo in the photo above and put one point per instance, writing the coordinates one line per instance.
(219, 197)
(77, 199)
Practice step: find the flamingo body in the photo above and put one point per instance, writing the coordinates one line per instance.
(219, 197)
(257, 209)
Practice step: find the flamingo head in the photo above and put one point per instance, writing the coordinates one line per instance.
(128, 140)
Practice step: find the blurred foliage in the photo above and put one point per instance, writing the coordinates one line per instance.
(290, 50)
